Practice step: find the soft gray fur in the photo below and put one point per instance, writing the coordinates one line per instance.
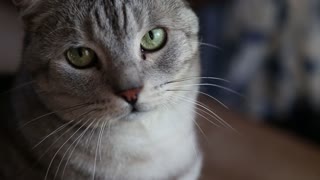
(102, 138)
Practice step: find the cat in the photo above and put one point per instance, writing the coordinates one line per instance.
(107, 93)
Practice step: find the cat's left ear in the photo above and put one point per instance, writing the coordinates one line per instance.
(25, 5)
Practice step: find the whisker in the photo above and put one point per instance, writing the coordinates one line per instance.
(50, 147)
(95, 160)
(55, 155)
(208, 113)
(76, 107)
(91, 136)
(57, 130)
(211, 85)
(218, 118)
(211, 45)
(101, 136)
(215, 116)
(76, 140)
(207, 119)
(198, 77)
(197, 125)
(70, 155)
(215, 99)
(64, 133)
(201, 130)
(109, 128)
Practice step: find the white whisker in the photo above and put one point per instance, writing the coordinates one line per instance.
(202, 132)
(198, 77)
(218, 118)
(76, 140)
(76, 107)
(72, 151)
(57, 130)
(64, 133)
(100, 138)
(206, 117)
(93, 130)
(208, 113)
(210, 45)
(215, 99)
(55, 155)
(211, 85)
(95, 160)
(108, 128)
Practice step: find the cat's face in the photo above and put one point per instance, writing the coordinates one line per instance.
(84, 51)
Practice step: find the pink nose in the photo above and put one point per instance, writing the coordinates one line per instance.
(131, 95)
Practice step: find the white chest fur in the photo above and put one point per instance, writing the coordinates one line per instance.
(158, 145)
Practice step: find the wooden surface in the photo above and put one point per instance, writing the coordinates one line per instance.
(255, 152)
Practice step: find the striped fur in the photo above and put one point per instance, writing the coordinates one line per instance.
(70, 122)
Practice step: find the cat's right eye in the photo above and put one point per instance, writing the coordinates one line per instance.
(81, 57)
(154, 40)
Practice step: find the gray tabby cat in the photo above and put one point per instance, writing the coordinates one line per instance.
(105, 99)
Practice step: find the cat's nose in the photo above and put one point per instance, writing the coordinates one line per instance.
(131, 95)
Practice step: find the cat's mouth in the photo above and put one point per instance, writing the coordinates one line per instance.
(140, 108)
(135, 110)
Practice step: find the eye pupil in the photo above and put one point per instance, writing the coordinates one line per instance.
(151, 35)
(80, 52)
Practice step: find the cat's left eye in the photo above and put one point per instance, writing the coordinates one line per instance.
(154, 40)
(81, 57)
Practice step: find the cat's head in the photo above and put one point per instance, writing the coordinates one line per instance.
(118, 56)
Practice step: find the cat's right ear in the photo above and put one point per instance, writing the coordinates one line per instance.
(25, 5)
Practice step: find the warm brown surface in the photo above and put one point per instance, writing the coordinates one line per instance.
(256, 152)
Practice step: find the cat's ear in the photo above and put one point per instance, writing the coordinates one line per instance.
(25, 5)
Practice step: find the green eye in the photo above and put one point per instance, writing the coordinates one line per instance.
(81, 57)
(154, 40)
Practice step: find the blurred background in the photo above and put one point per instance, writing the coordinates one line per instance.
(269, 50)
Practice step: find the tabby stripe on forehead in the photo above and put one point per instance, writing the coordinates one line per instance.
(112, 2)
(125, 17)
(110, 13)
(98, 18)
(104, 5)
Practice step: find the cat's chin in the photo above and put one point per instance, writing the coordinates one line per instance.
(134, 116)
